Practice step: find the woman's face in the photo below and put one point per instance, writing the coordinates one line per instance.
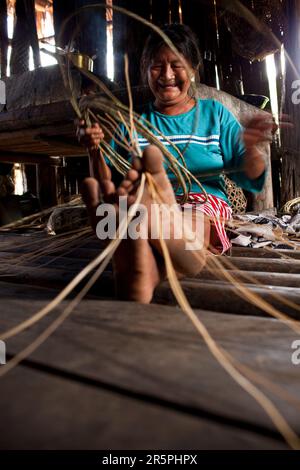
(168, 78)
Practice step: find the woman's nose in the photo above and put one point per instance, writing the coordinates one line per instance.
(167, 72)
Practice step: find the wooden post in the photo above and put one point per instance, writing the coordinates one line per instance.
(136, 37)
(87, 30)
(199, 16)
(160, 12)
(25, 35)
(3, 37)
(49, 188)
(291, 137)
(119, 40)
(61, 10)
(92, 38)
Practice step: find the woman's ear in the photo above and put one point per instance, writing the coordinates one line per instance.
(194, 82)
(197, 74)
(195, 78)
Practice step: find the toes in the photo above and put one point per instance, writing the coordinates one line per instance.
(132, 175)
(137, 164)
(90, 191)
(107, 187)
(152, 159)
(121, 191)
(126, 187)
(128, 183)
(108, 191)
(131, 200)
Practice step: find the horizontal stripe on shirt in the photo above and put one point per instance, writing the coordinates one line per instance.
(184, 139)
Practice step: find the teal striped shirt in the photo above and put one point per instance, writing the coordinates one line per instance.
(210, 139)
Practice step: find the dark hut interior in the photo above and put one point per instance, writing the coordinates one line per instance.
(80, 369)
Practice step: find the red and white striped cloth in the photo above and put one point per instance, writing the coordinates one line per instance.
(217, 210)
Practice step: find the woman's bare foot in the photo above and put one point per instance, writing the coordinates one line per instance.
(186, 261)
(136, 269)
(137, 264)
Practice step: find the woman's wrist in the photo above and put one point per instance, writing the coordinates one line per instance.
(98, 165)
(254, 165)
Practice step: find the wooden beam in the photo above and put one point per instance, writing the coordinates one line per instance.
(119, 41)
(220, 296)
(3, 37)
(58, 114)
(264, 253)
(31, 159)
(259, 277)
(25, 35)
(264, 264)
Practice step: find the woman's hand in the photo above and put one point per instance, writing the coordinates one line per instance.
(89, 137)
(259, 130)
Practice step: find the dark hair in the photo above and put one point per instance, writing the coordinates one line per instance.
(183, 39)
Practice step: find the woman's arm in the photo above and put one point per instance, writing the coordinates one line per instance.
(98, 166)
(241, 148)
(257, 131)
(91, 138)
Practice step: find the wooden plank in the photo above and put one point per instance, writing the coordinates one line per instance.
(54, 261)
(69, 251)
(80, 248)
(271, 279)
(92, 243)
(11, 290)
(53, 271)
(44, 131)
(54, 278)
(38, 116)
(71, 262)
(22, 157)
(43, 85)
(263, 253)
(262, 264)
(87, 253)
(62, 414)
(100, 342)
(288, 266)
(222, 297)
(40, 137)
(216, 296)
(209, 294)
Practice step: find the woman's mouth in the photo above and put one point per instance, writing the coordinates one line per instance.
(167, 86)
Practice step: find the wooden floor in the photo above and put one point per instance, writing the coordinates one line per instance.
(120, 375)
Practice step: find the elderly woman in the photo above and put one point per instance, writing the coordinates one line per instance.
(210, 139)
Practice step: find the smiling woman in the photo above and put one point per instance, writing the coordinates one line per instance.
(167, 76)
(169, 82)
